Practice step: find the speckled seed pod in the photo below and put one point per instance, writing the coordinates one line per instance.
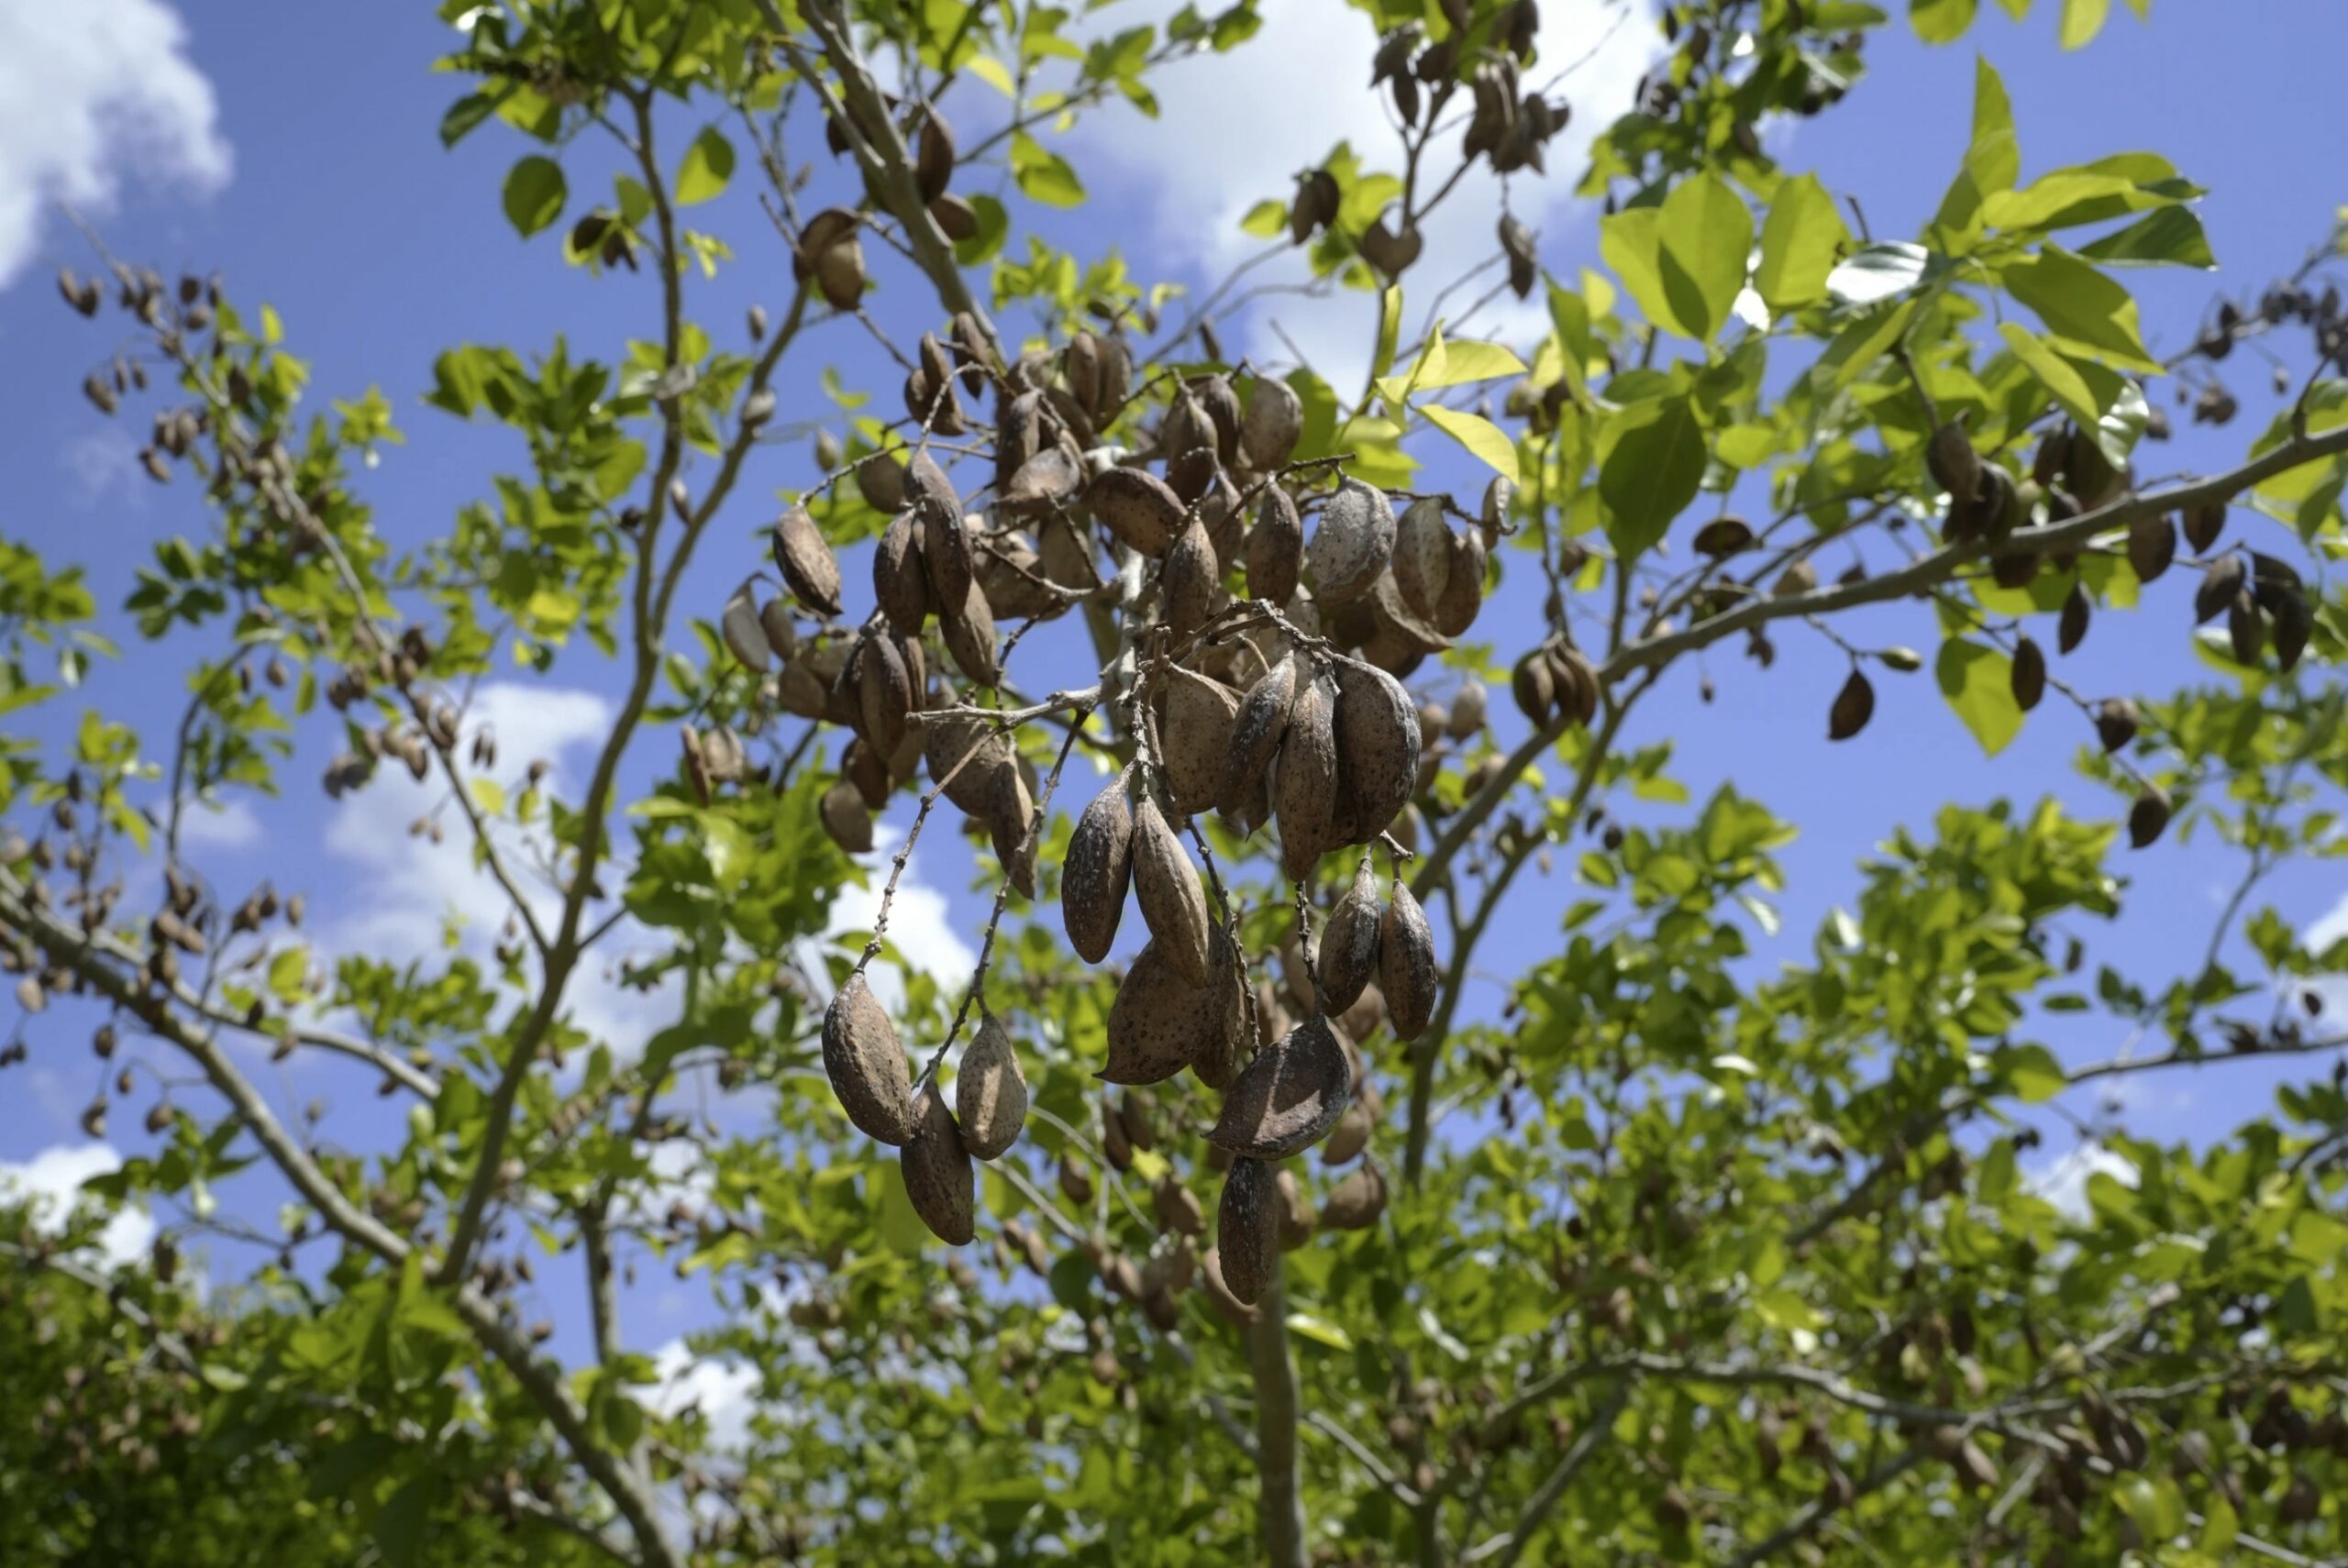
(1187, 585)
(1097, 871)
(1248, 1229)
(1274, 551)
(1275, 421)
(989, 1093)
(946, 557)
(1137, 507)
(1422, 557)
(946, 739)
(1348, 958)
(1351, 543)
(809, 568)
(969, 637)
(1354, 1203)
(866, 1063)
(1406, 966)
(1194, 720)
(939, 1178)
(745, 639)
(900, 580)
(1288, 1097)
(1162, 1020)
(1256, 735)
(1377, 750)
(1305, 791)
(1173, 902)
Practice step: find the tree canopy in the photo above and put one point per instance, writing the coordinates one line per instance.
(1227, 1206)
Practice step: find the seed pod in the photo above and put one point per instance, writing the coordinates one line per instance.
(1163, 1021)
(1246, 1229)
(1137, 508)
(1195, 716)
(1288, 1097)
(2148, 817)
(1043, 482)
(2203, 523)
(1173, 903)
(946, 740)
(1854, 706)
(1468, 709)
(1354, 1203)
(1955, 466)
(939, 1178)
(1275, 419)
(2071, 627)
(946, 556)
(900, 579)
(1378, 741)
(2152, 545)
(1535, 689)
(1186, 584)
(1177, 1207)
(1306, 787)
(1297, 1219)
(866, 1066)
(883, 693)
(846, 819)
(2220, 581)
(1221, 1049)
(1723, 537)
(956, 219)
(2246, 628)
(880, 480)
(1011, 827)
(864, 767)
(1076, 1182)
(1351, 543)
(745, 638)
(1219, 1293)
(1351, 1135)
(809, 568)
(1423, 556)
(969, 637)
(775, 625)
(2292, 626)
(1274, 551)
(1463, 586)
(1407, 976)
(1348, 958)
(933, 162)
(2028, 674)
(1096, 872)
(2115, 722)
(989, 1093)
(1256, 735)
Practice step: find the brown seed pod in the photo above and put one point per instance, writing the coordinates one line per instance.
(2292, 626)
(846, 819)
(2203, 523)
(946, 740)
(2148, 817)
(1423, 550)
(1248, 1229)
(1351, 543)
(1378, 742)
(2028, 674)
(884, 692)
(1256, 735)
(989, 1093)
(1348, 956)
(1219, 1292)
(839, 272)
(1854, 706)
(1097, 871)
(1138, 508)
(1043, 482)
(1463, 586)
(809, 568)
(1177, 1207)
(1188, 582)
(928, 485)
(1163, 1021)
(969, 637)
(745, 639)
(1194, 720)
(2071, 627)
(1350, 1137)
(1723, 537)
(2220, 581)
(1297, 1219)
(2115, 722)
(1468, 711)
(1012, 828)
(1390, 252)
(880, 480)
(1274, 420)
(864, 767)
(1407, 975)
(1955, 466)
(933, 162)
(775, 625)
(2246, 628)
(1222, 1048)
(1288, 1097)
(947, 557)
(1166, 884)
(1274, 550)
(2152, 545)
(866, 1063)
(1533, 686)
(900, 580)
(1354, 1203)
(1305, 784)
(1076, 1182)
(939, 1178)
(1115, 1147)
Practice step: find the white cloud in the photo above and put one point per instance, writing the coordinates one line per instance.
(722, 1389)
(103, 463)
(230, 826)
(89, 89)
(52, 1180)
(920, 925)
(2329, 927)
(2063, 1182)
(1233, 129)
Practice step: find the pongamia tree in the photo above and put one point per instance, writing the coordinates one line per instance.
(1680, 1255)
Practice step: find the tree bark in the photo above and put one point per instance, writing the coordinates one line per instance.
(1276, 1441)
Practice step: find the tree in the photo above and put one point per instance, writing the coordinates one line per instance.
(1673, 1256)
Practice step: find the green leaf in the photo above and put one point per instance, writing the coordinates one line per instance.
(1479, 436)
(1799, 243)
(709, 164)
(1390, 329)
(1978, 683)
(2082, 19)
(2219, 1526)
(533, 193)
(1877, 272)
(1628, 240)
(2032, 1073)
(1650, 465)
(1992, 161)
(2058, 375)
(2170, 237)
(1044, 175)
(1705, 233)
(402, 1521)
(1265, 220)
(2081, 307)
(994, 224)
(1320, 1330)
(1941, 21)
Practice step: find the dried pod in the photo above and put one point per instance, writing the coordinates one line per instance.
(2115, 722)
(1195, 716)
(1043, 482)
(1305, 788)
(2292, 626)
(1955, 466)
(745, 639)
(1407, 975)
(1224, 1300)
(1256, 735)
(1533, 686)
(2148, 817)
(2203, 523)
(1011, 825)
(2071, 627)
(1468, 709)
(880, 480)
(1221, 1049)
(969, 637)
(1162, 1020)
(1188, 582)
(2152, 545)
(1096, 872)
(1076, 1182)
(1177, 1207)
(775, 625)
(809, 568)
(963, 754)
(1463, 586)
(2028, 674)
(866, 1066)
(900, 579)
(1422, 562)
(1166, 884)
(2220, 581)
(989, 1093)
(1138, 508)
(1854, 706)
(1297, 1219)
(845, 818)
(948, 557)
(1354, 1203)
(2246, 628)
(1378, 743)
(1274, 551)
(939, 1178)
(1351, 1135)
(1288, 1097)
(1348, 956)
(1274, 420)
(1723, 537)
(1248, 1229)
(1351, 543)
(884, 692)
(933, 162)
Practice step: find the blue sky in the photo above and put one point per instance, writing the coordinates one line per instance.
(300, 158)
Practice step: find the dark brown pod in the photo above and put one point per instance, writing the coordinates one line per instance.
(2115, 722)
(809, 568)
(900, 585)
(1723, 537)
(1955, 466)
(1407, 974)
(1854, 706)
(1533, 686)
(1274, 551)
(1378, 751)
(933, 162)
(1194, 719)
(2029, 675)
(1248, 1229)
(2151, 546)
(1306, 788)
(939, 1178)
(2071, 626)
(2220, 581)
(969, 637)
(1256, 735)
(2148, 817)
(2292, 625)
(1166, 884)
(1138, 508)
(948, 557)
(1186, 584)
(2203, 523)
(2246, 628)
(1097, 872)
(1162, 1020)
(1348, 956)
(1288, 1097)
(867, 1065)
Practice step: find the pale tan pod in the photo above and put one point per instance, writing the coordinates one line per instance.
(1350, 1136)
(939, 1178)
(1354, 1203)
(1043, 482)
(1248, 1229)
(846, 819)
(809, 568)
(1137, 507)
(946, 556)
(1066, 554)
(1219, 1292)
(1305, 789)
(1195, 716)
(880, 480)
(989, 1093)
(1011, 824)
(1296, 1216)
(928, 483)
(1010, 575)
(1468, 711)
(1274, 549)
(867, 1065)
(1167, 885)
(775, 625)
(1186, 584)
(900, 580)
(798, 691)
(1348, 956)
(969, 637)
(1362, 1020)
(745, 638)
(1256, 735)
(946, 739)
(1221, 1049)
(1275, 421)
(1407, 975)
(883, 693)
(1177, 1207)
(1097, 871)
(1351, 543)
(1423, 556)
(1378, 749)
(1462, 587)
(1288, 1097)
